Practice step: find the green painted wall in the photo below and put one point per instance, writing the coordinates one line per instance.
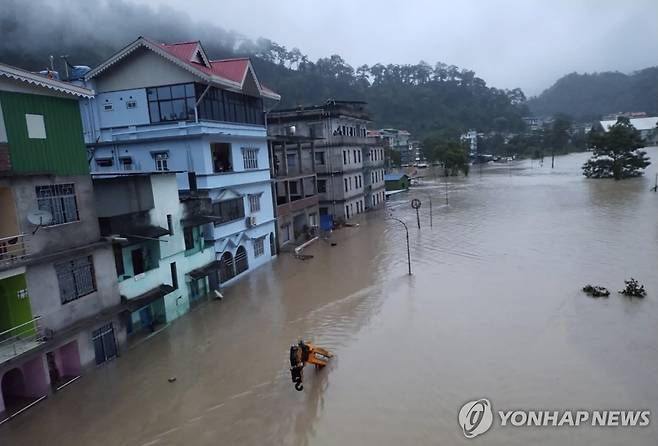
(62, 152)
(14, 310)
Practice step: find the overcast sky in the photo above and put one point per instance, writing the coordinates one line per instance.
(509, 43)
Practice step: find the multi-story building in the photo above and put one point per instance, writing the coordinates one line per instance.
(294, 187)
(170, 108)
(59, 302)
(162, 262)
(343, 154)
(399, 141)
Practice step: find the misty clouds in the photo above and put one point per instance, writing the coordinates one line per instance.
(508, 43)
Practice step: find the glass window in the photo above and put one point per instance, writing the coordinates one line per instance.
(177, 91)
(254, 202)
(259, 246)
(166, 111)
(228, 210)
(164, 93)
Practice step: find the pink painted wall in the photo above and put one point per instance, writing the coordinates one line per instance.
(37, 381)
(67, 358)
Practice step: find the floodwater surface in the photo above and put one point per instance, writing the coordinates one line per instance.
(493, 309)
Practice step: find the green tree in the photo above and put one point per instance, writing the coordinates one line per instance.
(616, 153)
(452, 153)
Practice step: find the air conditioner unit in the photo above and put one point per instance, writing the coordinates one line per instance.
(251, 221)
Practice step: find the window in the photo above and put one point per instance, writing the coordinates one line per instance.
(108, 107)
(347, 211)
(126, 162)
(259, 246)
(254, 202)
(170, 224)
(227, 106)
(36, 128)
(294, 189)
(250, 158)
(118, 259)
(354, 155)
(105, 346)
(285, 232)
(104, 162)
(359, 154)
(75, 278)
(161, 159)
(221, 157)
(322, 186)
(228, 210)
(319, 158)
(131, 103)
(188, 235)
(345, 179)
(171, 103)
(241, 261)
(344, 157)
(174, 275)
(292, 160)
(60, 201)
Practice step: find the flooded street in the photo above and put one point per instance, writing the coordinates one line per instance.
(493, 309)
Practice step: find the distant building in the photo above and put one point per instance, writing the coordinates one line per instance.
(294, 186)
(168, 107)
(646, 126)
(532, 122)
(349, 165)
(399, 141)
(471, 138)
(396, 181)
(59, 302)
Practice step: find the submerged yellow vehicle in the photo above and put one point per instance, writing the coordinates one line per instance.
(303, 353)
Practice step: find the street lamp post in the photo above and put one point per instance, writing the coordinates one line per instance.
(408, 251)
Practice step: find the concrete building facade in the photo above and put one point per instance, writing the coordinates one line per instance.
(349, 165)
(170, 108)
(59, 302)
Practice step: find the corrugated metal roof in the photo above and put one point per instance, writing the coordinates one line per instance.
(638, 123)
(229, 73)
(394, 176)
(40, 81)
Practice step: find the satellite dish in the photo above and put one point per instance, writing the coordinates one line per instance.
(39, 217)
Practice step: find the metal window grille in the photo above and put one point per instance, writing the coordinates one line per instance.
(60, 201)
(75, 278)
(254, 202)
(241, 261)
(250, 157)
(259, 246)
(161, 161)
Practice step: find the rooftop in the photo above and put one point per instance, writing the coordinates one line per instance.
(38, 80)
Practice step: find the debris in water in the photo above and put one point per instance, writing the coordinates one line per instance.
(596, 291)
(633, 288)
(172, 379)
(333, 243)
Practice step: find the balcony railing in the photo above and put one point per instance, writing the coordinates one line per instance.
(13, 249)
(20, 339)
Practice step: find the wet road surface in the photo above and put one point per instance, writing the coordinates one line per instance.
(493, 309)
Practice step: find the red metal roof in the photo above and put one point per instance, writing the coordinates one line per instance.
(231, 69)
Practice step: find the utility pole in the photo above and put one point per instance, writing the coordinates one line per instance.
(408, 251)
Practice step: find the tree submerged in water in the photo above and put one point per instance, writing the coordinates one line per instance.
(616, 153)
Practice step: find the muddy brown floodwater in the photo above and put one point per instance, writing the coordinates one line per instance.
(493, 309)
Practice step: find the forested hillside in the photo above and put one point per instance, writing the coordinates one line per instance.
(588, 96)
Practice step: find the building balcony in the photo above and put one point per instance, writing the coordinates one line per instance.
(20, 339)
(232, 179)
(297, 203)
(14, 250)
(342, 140)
